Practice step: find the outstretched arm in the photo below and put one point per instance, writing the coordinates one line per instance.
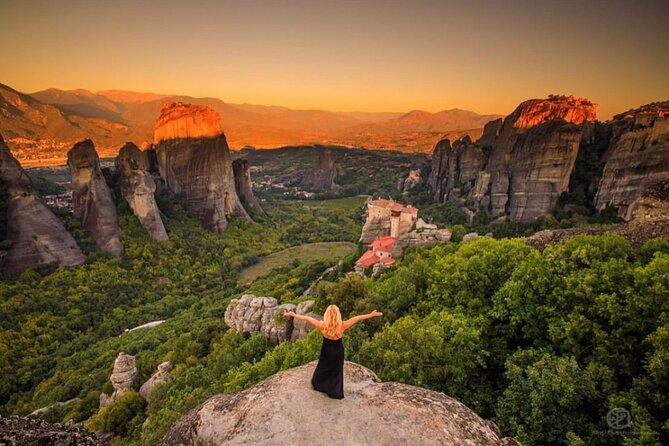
(354, 320)
(315, 322)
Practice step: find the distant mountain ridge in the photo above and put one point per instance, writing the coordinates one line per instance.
(42, 125)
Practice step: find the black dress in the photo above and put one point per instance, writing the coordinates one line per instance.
(329, 374)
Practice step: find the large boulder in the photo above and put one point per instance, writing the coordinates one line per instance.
(283, 409)
(637, 157)
(122, 377)
(254, 314)
(138, 188)
(194, 160)
(37, 236)
(92, 200)
(160, 376)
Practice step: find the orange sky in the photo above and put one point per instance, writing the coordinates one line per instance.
(386, 55)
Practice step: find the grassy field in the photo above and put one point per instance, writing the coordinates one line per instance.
(310, 252)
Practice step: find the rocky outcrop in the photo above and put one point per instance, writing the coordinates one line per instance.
(419, 239)
(138, 188)
(37, 236)
(455, 168)
(322, 177)
(92, 200)
(194, 160)
(36, 432)
(519, 167)
(243, 185)
(412, 180)
(264, 315)
(372, 413)
(160, 376)
(123, 375)
(638, 157)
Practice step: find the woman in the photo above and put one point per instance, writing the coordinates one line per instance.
(329, 374)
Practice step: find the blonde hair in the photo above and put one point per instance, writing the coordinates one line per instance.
(332, 321)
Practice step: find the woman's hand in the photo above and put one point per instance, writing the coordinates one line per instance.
(376, 313)
(289, 314)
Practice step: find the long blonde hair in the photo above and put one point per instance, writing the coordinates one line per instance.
(332, 321)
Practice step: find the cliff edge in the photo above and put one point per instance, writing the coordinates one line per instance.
(283, 409)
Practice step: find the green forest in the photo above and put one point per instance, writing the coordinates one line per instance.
(543, 343)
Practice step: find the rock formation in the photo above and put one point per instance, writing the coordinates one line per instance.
(25, 431)
(138, 188)
(283, 409)
(424, 238)
(37, 236)
(121, 378)
(455, 168)
(638, 156)
(519, 167)
(194, 160)
(243, 185)
(160, 376)
(264, 315)
(91, 198)
(412, 180)
(322, 177)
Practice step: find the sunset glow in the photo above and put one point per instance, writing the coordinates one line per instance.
(485, 56)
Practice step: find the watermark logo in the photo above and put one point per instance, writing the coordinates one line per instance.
(619, 418)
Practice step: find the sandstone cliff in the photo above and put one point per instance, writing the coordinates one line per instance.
(91, 198)
(138, 188)
(37, 235)
(520, 166)
(194, 160)
(283, 409)
(264, 315)
(638, 156)
(243, 185)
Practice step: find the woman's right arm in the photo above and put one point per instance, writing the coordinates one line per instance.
(354, 320)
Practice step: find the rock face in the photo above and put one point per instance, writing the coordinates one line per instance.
(455, 168)
(242, 173)
(423, 238)
(372, 413)
(138, 188)
(322, 178)
(519, 167)
(412, 180)
(264, 315)
(638, 157)
(36, 432)
(194, 160)
(160, 376)
(121, 378)
(91, 198)
(37, 235)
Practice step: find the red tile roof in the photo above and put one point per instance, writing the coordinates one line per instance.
(393, 206)
(368, 259)
(387, 261)
(383, 243)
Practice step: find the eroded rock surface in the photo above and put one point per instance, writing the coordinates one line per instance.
(322, 177)
(194, 160)
(36, 432)
(244, 186)
(638, 157)
(138, 188)
(123, 375)
(160, 376)
(92, 200)
(521, 165)
(264, 315)
(37, 236)
(372, 413)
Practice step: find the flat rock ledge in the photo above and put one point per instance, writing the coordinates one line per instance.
(283, 409)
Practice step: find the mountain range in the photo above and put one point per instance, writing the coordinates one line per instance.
(40, 127)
